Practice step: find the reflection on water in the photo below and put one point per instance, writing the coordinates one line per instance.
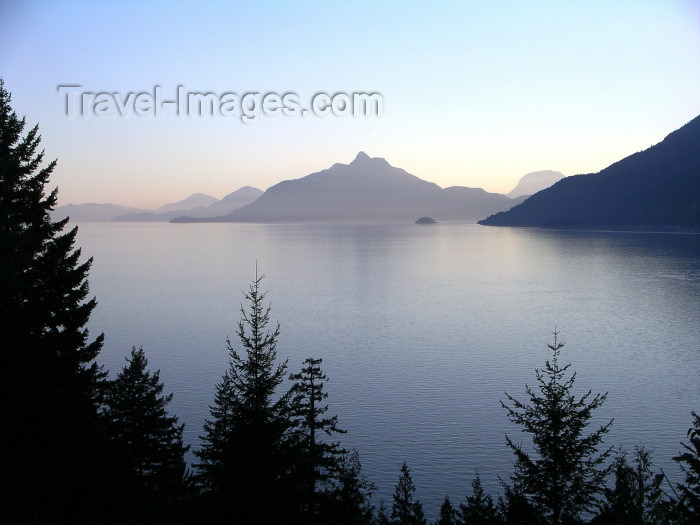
(421, 329)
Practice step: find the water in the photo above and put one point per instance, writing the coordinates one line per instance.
(421, 329)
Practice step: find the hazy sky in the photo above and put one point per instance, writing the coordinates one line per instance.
(475, 93)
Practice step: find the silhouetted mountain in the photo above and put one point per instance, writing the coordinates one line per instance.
(656, 189)
(367, 189)
(194, 200)
(533, 182)
(92, 212)
(230, 202)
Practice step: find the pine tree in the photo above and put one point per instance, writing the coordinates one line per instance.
(350, 497)
(382, 517)
(246, 457)
(216, 441)
(479, 509)
(52, 437)
(636, 498)
(689, 490)
(405, 510)
(566, 473)
(514, 508)
(148, 439)
(448, 514)
(318, 460)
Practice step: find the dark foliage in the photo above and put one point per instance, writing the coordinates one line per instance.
(56, 458)
(246, 458)
(382, 517)
(332, 486)
(349, 499)
(514, 507)
(148, 441)
(566, 473)
(689, 490)
(636, 498)
(317, 460)
(406, 510)
(479, 508)
(448, 514)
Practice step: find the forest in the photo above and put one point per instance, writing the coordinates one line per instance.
(80, 447)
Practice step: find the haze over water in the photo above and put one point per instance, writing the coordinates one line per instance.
(421, 329)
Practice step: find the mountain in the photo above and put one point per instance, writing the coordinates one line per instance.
(230, 202)
(194, 200)
(367, 189)
(92, 212)
(656, 189)
(533, 182)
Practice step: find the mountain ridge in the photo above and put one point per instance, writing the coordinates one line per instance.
(657, 189)
(366, 189)
(535, 181)
(228, 203)
(106, 212)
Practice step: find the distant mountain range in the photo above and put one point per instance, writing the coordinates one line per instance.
(92, 212)
(657, 189)
(533, 182)
(196, 205)
(367, 189)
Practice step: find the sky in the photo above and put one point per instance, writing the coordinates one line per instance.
(473, 93)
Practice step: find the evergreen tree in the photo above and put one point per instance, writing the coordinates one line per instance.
(216, 444)
(351, 495)
(448, 514)
(147, 438)
(514, 508)
(382, 514)
(689, 490)
(479, 509)
(246, 458)
(566, 473)
(317, 460)
(53, 451)
(636, 498)
(405, 510)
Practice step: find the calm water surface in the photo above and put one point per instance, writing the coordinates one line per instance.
(421, 328)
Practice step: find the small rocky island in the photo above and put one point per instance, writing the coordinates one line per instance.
(426, 220)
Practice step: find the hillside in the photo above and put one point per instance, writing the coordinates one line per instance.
(533, 182)
(657, 189)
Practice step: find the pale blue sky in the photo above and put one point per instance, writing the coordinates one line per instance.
(475, 93)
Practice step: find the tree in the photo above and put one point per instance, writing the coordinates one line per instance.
(53, 450)
(382, 517)
(479, 509)
(404, 510)
(350, 497)
(246, 456)
(148, 439)
(636, 498)
(514, 508)
(213, 466)
(565, 474)
(318, 460)
(689, 490)
(448, 514)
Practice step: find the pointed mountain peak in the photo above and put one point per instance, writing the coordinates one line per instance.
(361, 157)
(364, 161)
